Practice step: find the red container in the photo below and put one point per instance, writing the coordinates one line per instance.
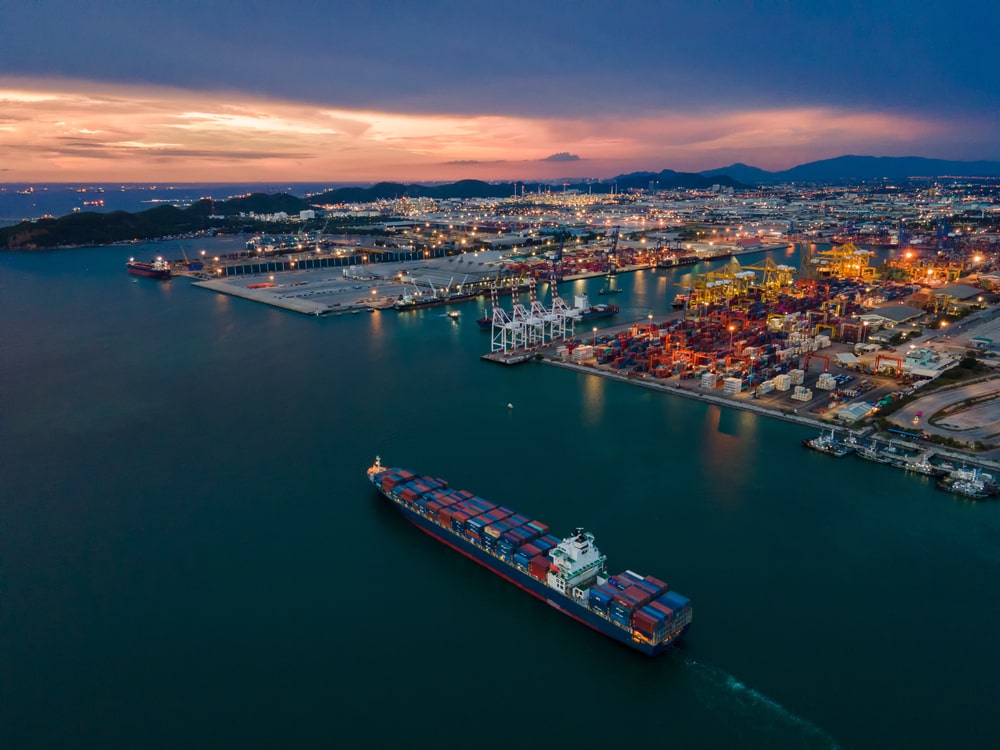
(529, 550)
(445, 514)
(638, 594)
(643, 623)
(658, 583)
(538, 567)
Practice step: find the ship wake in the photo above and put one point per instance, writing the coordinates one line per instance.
(767, 720)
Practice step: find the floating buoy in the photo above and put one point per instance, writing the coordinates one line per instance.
(510, 406)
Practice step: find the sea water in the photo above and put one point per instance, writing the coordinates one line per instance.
(190, 554)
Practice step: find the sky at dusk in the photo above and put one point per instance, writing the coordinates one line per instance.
(227, 91)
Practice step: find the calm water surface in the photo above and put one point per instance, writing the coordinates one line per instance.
(190, 554)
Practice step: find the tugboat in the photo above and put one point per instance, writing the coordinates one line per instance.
(973, 484)
(829, 445)
(925, 467)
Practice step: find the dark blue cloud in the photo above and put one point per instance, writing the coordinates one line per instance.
(550, 58)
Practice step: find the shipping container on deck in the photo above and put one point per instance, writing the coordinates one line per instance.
(458, 522)
(665, 610)
(601, 597)
(479, 522)
(675, 601)
(543, 544)
(660, 587)
(485, 503)
(542, 528)
(538, 566)
(623, 618)
(552, 539)
(638, 594)
(648, 622)
(388, 481)
(497, 528)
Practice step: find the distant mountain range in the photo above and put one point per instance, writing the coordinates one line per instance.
(89, 228)
(854, 168)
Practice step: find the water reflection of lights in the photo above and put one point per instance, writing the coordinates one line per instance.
(726, 456)
(594, 400)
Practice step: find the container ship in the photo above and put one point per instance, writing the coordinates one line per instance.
(156, 269)
(569, 574)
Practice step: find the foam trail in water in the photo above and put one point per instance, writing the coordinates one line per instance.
(720, 691)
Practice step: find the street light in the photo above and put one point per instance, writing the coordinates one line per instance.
(732, 330)
(595, 335)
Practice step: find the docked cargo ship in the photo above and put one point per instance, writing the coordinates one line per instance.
(156, 269)
(569, 574)
(408, 302)
(583, 310)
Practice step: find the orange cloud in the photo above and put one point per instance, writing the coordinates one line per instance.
(63, 131)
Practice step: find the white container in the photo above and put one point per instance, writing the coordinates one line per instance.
(766, 386)
(826, 382)
(732, 386)
(708, 380)
(782, 382)
(797, 376)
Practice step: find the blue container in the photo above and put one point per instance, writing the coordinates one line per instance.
(521, 560)
(477, 524)
(675, 601)
(599, 600)
(622, 619)
(657, 615)
(543, 545)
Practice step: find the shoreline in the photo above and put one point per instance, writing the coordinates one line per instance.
(764, 411)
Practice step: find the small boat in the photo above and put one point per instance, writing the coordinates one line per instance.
(453, 314)
(610, 290)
